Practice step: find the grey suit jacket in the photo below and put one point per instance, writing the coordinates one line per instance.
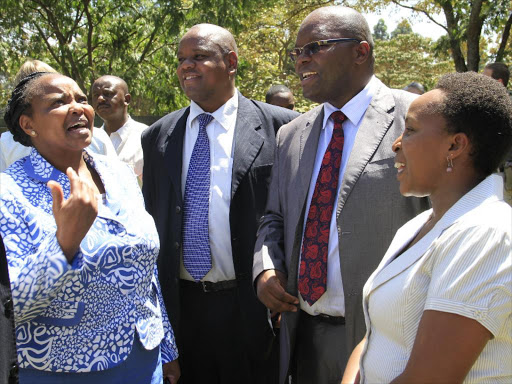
(370, 208)
(8, 362)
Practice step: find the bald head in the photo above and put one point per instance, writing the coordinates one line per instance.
(114, 80)
(339, 21)
(215, 35)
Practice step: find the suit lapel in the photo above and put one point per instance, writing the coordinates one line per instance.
(173, 153)
(308, 147)
(247, 141)
(376, 122)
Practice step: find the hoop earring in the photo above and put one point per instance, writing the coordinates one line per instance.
(450, 164)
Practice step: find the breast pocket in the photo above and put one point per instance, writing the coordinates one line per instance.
(62, 313)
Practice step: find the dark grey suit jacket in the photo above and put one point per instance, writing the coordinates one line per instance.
(8, 367)
(254, 144)
(370, 208)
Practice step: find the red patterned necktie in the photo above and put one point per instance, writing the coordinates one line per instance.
(315, 244)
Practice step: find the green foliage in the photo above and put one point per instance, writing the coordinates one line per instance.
(403, 28)
(407, 58)
(380, 30)
(465, 22)
(137, 41)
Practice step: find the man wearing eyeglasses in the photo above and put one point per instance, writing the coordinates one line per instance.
(334, 202)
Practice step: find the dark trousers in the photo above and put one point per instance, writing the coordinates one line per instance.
(211, 347)
(320, 354)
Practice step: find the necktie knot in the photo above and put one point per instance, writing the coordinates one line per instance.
(204, 120)
(338, 117)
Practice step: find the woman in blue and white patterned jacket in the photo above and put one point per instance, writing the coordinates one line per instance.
(81, 249)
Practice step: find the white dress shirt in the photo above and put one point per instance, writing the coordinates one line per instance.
(332, 302)
(10, 150)
(220, 134)
(462, 266)
(126, 141)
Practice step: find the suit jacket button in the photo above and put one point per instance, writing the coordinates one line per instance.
(13, 372)
(8, 308)
(177, 245)
(178, 209)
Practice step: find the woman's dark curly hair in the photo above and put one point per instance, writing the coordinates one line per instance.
(19, 104)
(480, 107)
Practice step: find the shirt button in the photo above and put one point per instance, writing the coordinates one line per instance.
(177, 245)
(178, 209)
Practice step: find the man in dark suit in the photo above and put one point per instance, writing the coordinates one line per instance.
(205, 178)
(8, 366)
(334, 203)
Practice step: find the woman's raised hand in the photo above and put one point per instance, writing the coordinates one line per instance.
(75, 215)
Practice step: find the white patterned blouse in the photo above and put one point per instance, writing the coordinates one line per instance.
(83, 316)
(462, 266)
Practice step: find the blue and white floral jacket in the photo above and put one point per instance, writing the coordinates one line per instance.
(82, 316)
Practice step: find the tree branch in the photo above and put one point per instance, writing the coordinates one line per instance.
(504, 39)
(413, 8)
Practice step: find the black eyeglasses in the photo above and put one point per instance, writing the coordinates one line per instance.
(315, 46)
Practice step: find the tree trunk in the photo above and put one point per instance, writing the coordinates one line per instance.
(474, 31)
(453, 36)
(504, 39)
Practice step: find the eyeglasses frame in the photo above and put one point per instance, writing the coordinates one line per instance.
(321, 43)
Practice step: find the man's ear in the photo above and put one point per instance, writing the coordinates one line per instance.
(501, 81)
(127, 98)
(363, 52)
(232, 62)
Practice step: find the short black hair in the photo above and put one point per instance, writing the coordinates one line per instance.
(19, 104)
(415, 85)
(481, 108)
(499, 71)
(274, 90)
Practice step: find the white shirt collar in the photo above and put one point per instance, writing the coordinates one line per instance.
(356, 107)
(122, 132)
(223, 115)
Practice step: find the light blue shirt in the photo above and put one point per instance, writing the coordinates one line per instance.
(81, 316)
(332, 302)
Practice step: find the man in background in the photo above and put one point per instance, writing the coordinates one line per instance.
(498, 71)
(281, 96)
(110, 100)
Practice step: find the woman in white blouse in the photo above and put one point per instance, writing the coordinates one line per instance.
(438, 308)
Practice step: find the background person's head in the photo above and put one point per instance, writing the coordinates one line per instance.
(31, 66)
(50, 112)
(498, 71)
(208, 62)
(110, 99)
(415, 87)
(281, 96)
(336, 72)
